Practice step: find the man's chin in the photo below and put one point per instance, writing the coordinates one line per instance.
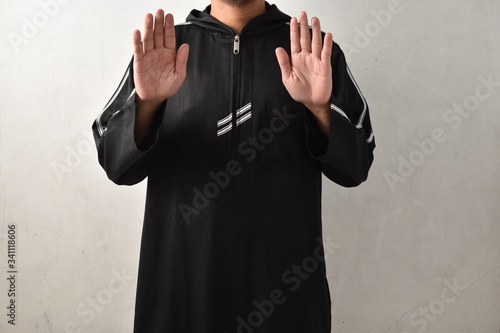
(238, 3)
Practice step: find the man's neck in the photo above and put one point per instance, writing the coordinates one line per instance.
(236, 17)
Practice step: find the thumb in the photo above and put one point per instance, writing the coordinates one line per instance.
(284, 62)
(182, 59)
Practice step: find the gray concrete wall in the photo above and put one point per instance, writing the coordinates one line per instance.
(414, 249)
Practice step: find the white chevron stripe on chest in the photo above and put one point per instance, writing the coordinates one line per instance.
(225, 124)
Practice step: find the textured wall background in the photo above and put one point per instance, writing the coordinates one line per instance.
(414, 249)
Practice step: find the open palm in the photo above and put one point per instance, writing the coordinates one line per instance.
(159, 69)
(307, 75)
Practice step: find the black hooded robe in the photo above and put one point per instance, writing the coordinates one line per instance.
(232, 235)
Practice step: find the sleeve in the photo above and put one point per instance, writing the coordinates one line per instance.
(347, 154)
(123, 161)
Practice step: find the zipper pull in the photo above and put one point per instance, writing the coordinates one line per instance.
(236, 48)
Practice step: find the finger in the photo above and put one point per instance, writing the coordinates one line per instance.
(305, 34)
(148, 33)
(284, 62)
(182, 59)
(158, 29)
(138, 52)
(326, 54)
(294, 36)
(169, 32)
(317, 43)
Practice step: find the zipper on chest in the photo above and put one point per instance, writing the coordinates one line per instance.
(236, 77)
(236, 45)
(236, 92)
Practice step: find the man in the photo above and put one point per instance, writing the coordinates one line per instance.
(233, 117)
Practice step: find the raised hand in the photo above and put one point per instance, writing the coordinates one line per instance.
(159, 69)
(307, 75)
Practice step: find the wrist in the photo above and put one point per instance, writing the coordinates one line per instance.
(320, 111)
(322, 116)
(147, 106)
